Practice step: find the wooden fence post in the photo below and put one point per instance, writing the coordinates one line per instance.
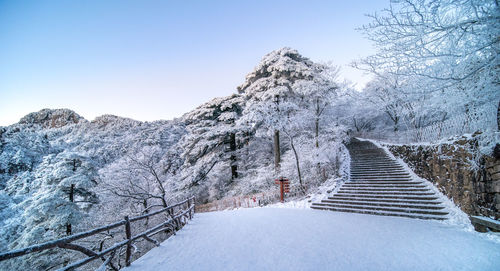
(71, 199)
(128, 233)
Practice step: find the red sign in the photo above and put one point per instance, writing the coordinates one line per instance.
(284, 186)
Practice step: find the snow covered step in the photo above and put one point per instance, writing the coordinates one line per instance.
(371, 156)
(369, 178)
(376, 168)
(395, 193)
(374, 196)
(383, 182)
(386, 209)
(378, 180)
(380, 177)
(388, 204)
(380, 185)
(372, 178)
(343, 188)
(393, 186)
(373, 160)
(377, 171)
(388, 173)
(398, 185)
(373, 212)
(373, 164)
(378, 200)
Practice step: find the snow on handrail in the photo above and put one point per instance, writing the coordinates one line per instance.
(174, 222)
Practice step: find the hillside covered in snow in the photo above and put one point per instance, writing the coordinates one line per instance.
(115, 166)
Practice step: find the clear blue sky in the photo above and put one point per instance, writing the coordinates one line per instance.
(151, 60)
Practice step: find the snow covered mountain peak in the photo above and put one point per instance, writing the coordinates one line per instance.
(52, 118)
(280, 68)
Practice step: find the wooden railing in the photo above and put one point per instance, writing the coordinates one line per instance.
(247, 201)
(177, 216)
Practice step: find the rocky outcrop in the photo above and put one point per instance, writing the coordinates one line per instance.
(471, 180)
(51, 118)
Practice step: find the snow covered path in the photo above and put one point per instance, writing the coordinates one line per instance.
(304, 239)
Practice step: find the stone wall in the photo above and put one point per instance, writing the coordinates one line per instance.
(473, 183)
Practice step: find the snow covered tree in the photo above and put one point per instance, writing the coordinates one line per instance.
(317, 94)
(287, 94)
(46, 210)
(453, 43)
(140, 179)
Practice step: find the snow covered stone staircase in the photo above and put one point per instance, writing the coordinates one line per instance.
(380, 186)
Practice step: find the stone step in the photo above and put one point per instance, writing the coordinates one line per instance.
(381, 175)
(379, 200)
(389, 209)
(381, 179)
(384, 189)
(375, 196)
(374, 163)
(380, 185)
(387, 204)
(386, 193)
(369, 154)
(401, 181)
(373, 158)
(397, 167)
(384, 185)
(378, 213)
(375, 166)
(375, 171)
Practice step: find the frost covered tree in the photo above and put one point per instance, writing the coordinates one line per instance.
(46, 211)
(454, 43)
(288, 94)
(140, 179)
(318, 94)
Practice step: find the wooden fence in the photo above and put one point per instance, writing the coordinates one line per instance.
(248, 201)
(177, 215)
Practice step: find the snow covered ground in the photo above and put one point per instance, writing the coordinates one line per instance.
(305, 239)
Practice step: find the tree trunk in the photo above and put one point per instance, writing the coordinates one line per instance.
(317, 132)
(232, 146)
(145, 205)
(498, 117)
(71, 199)
(316, 128)
(277, 157)
(296, 161)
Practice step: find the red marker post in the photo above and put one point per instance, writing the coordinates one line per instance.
(284, 187)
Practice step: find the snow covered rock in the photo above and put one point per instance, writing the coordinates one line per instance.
(52, 118)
